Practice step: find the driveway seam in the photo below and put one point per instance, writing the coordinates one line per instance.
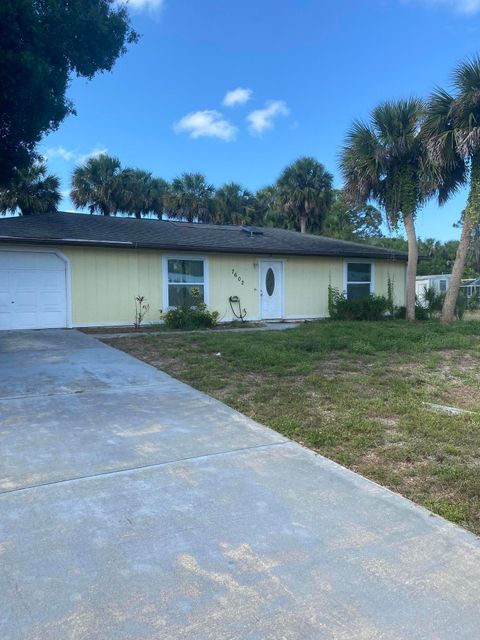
(145, 466)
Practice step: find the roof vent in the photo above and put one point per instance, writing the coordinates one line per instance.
(252, 231)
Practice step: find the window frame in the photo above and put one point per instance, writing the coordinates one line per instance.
(442, 281)
(346, 282)
(166, 283)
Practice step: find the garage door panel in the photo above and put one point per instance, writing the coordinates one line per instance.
(32, 290)
(53, 281)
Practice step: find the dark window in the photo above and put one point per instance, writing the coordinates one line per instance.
(359, 280)
(270, 281)
(183, 276)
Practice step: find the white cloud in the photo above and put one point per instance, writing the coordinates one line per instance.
(94, 153)
(151, 5)
(72, 156)
(261, 120)
(58, 152)
(468, 7)
(208, 124)
(237, 96)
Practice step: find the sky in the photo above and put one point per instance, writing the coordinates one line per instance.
(238, 89)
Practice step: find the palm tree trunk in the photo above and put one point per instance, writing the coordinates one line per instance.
(411, 265)
(470, 218)
(450, 302)
(303, 224)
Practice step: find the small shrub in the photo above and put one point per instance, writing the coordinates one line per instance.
(461, 305)
(371, 307)
(433, 301)
(188, 317)
(141, 310)
(421, 313)
(474, 302)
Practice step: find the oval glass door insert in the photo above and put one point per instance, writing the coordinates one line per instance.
(270, 281)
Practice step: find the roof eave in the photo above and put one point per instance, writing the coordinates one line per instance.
(195, 249)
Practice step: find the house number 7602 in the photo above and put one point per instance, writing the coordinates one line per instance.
(237, 277)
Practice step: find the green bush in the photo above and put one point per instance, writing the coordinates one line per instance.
(371, 307)
(433, 301)
(461, 305)
(188, 317)
(421, 313)
(474, 302)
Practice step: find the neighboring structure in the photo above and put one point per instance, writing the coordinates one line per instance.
(440, 283)
(71, 270)
(471, 288)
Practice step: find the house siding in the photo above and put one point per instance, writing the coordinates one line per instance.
(105, 281)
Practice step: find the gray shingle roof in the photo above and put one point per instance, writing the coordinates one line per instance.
(84, 229)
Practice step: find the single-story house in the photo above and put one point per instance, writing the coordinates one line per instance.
(471, 288)
(439, 283)
(79, 270)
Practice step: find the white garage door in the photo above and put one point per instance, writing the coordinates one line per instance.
(33, 293)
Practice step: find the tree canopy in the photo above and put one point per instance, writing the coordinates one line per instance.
(304, 193)
(42, 44)
(233, 204)
(385, 160)
(452, 133)
(96, 185)
(31, 191)
(190, 198)
(352, 222)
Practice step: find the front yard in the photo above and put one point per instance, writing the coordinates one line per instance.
(354, 392)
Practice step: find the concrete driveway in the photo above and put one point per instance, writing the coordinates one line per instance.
(133, 507)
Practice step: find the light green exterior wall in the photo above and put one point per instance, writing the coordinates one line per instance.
(396, 272)
(104, 282)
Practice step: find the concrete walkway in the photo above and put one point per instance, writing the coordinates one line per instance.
(267, 326)
(134, 508)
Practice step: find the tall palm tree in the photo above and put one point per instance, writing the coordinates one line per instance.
(190, 198)
(234, 205)
(384, 160)
(134, 192)
(158, 190)
(97, 185)
(269, 212)
(140, 194)
(31, 191)
(452, 131)
(305, 192)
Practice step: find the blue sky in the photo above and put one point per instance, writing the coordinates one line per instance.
(307, 68)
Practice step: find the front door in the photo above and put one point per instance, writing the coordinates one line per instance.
(271, 289)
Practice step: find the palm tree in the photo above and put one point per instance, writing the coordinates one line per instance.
(134, 192)
(452, 132)
(385, 161)
(269, 211)
(140, 194)
(97, 185)
(305, 192)
(190, 198)
(158, 191)
(31, 191)
(234, 205)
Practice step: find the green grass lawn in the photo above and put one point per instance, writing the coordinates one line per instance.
(354, 392)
